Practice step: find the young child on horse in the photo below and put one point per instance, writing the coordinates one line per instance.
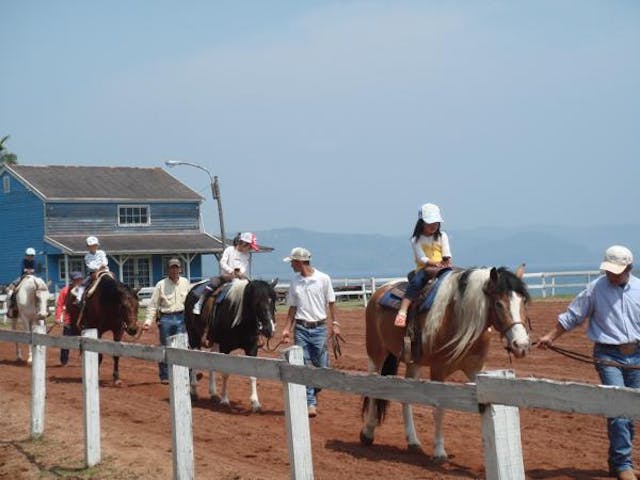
(29, 266)
(431, 252)
(233, 264)
(96, 261)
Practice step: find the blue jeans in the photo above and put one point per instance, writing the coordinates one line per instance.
(417, 283)
(619, 429)
(313, 342)
(67, 331)
(169, 325)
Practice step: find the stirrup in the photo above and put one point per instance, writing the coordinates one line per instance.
(401, 319)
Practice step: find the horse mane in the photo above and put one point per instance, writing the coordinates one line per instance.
(235, 296)
(463, 292)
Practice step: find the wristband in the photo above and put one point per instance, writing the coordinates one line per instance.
(335, 323)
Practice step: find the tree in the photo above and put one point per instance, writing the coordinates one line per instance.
(5, 155)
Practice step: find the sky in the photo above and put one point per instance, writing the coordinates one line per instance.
(340, 116)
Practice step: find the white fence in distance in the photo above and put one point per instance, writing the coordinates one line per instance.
(495, 395)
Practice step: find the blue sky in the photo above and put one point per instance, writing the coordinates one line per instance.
(340, 116)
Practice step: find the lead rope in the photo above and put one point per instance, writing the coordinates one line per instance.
(581, 357)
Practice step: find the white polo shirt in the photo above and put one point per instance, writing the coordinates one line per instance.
(311, 296)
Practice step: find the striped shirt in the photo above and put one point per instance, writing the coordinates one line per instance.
(95, 261)
(613, 311)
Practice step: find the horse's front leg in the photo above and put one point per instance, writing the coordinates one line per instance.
(213, 388)
(116, 372)
(255, 402)
(413, 443)
(14, 326)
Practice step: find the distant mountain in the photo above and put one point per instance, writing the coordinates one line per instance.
(543, 248)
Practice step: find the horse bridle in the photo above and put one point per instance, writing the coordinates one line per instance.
(499, 312)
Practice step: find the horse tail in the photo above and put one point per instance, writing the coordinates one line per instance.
(389, 367)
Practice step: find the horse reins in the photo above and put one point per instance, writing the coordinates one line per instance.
(581, 357)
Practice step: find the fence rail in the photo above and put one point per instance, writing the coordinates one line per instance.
(495, 395)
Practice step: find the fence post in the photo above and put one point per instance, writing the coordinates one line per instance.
(91, 400)
(364, 292)
(38, 383)
(181, 427)
(297, 421)
(501, 437)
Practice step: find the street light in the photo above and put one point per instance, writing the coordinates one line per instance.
(215, 190)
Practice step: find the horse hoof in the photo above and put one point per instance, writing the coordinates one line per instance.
(214, 398)
(368, 441)
(415, 448)
(117, 383)
(256, 407)
(440, 459)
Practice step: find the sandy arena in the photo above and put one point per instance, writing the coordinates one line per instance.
(233, 443)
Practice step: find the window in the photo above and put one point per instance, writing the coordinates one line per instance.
(136, 272)
(132, 215)
(76, 264)
(6, 184)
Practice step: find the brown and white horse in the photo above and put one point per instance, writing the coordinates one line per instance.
(455, 336)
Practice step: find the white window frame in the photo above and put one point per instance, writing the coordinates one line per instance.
(6, 184)
(140, 224)
(136, 258)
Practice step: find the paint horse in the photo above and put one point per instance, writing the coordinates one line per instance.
(31, 296)
(455, 336)
(235, 319)
(110, 306)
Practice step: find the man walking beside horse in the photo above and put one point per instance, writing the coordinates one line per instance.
(612, 304)
(167, 305)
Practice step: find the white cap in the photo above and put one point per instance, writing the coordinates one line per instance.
(250, 238)
(30, 251)
(430, 213)
(92, 241)
(616, 259)
(300, 254)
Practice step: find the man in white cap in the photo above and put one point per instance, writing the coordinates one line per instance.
(310, 298)
(612, 304)
(166, 306)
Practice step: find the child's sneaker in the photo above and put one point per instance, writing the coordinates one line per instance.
(197, 308)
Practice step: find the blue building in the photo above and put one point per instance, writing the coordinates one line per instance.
(142, 216)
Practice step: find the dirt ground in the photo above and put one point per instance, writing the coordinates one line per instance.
(233, 443)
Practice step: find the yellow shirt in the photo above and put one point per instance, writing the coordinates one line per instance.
(427, 248)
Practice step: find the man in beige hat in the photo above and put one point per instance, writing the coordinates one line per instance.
(612, 304)
(167, 304)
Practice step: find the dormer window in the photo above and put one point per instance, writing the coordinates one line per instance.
(133, 215)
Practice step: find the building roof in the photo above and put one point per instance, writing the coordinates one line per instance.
(140, 243)
(143, 244)
(72, 183)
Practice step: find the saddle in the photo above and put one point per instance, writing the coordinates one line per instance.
(92, 288)
(412, 344)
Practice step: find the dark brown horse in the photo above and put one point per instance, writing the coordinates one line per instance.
(455, 336)
(112, 306)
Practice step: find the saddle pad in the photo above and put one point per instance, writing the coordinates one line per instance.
(222, 293)
(428, 301)
(392, 297)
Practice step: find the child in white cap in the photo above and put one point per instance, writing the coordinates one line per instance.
(431, 251)
(233, 264)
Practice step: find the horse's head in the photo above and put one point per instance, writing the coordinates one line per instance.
(260, 302)
(508, 297)
(42, 298)
(129, 310)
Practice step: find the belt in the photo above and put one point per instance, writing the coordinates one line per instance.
(172, 313)
(307, 324)
(624, 348)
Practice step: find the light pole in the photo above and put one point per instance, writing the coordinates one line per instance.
(215, 191)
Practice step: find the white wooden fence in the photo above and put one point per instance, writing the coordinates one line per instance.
(495, 395)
